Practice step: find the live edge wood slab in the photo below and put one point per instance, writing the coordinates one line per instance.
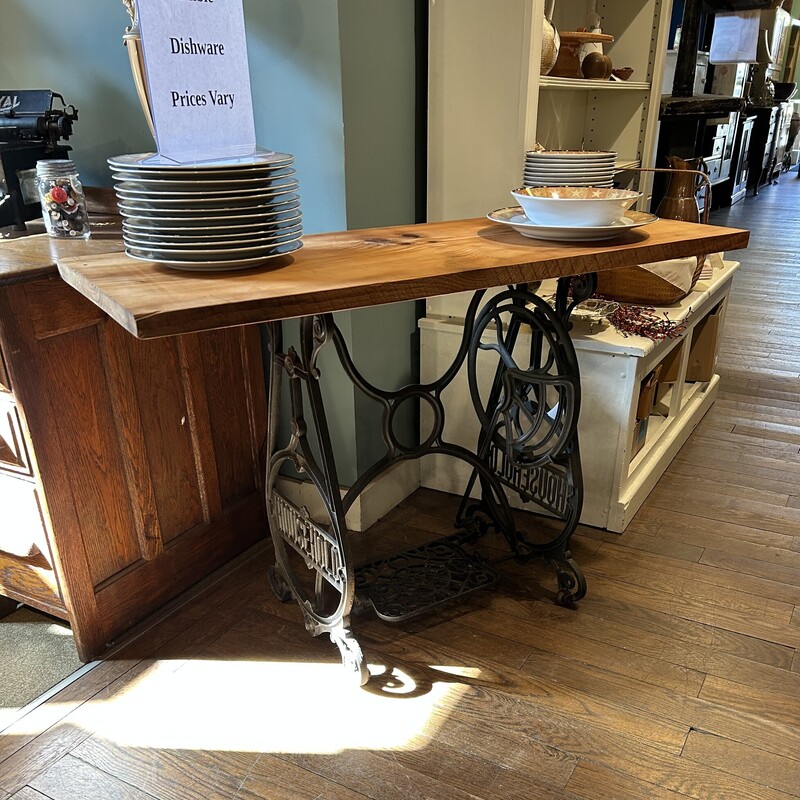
(355, 269)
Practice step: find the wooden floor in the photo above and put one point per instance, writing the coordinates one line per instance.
(677, 676)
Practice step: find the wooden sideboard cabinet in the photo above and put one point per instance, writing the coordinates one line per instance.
(129, 470)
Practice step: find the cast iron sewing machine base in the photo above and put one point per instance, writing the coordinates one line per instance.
(528, 445)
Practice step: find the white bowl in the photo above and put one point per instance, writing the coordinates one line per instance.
(575, 206)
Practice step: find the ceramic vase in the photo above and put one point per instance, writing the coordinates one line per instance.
(550, 40)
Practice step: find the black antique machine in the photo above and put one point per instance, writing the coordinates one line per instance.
(31, 130)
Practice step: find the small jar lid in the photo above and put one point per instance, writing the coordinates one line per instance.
(55, 168)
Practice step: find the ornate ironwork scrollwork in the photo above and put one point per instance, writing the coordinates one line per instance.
(570, 577)
(571, 291)
(529, 418)
(351, 653)
(320, 335)
(532, 410)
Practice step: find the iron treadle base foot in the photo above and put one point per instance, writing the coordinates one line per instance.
(420, 579)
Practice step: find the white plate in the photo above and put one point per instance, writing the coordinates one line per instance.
(219, 211)
(565, 181)
(267, 238)
(514, 217)
(210, 180)
(147, 161)
(202, 190)
(570, 167)
(250, 198)
(590, 184)
(570, 155)
(200, 231)
(220, 266)
(143, 220)
(569, 171)
(606, 176)
(570, 162)
(208, 254)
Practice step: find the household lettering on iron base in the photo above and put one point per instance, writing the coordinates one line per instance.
(547, 486)
(319, 550)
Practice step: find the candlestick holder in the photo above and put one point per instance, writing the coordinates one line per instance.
(133, 42)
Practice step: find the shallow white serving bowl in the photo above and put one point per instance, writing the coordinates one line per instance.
(574, 205)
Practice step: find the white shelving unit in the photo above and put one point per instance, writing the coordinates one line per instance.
(576, 84)
(488, 103)
(613, 366)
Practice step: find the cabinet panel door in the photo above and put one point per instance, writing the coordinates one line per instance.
(231, 412)
(147, 454)
(159, 387)
(5, 383)
(25, 570)
(82, 427)
(13, 451)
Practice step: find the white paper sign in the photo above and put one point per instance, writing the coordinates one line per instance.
(195, 55)
(735, 38)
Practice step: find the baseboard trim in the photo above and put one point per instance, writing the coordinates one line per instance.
(380, 497)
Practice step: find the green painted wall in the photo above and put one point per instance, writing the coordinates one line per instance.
(332, 84)
(293, 46)
(378, 96)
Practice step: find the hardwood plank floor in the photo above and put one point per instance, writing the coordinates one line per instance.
(676, 677)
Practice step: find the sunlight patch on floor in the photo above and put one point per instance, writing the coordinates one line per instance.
(273, 707)
(7, 716)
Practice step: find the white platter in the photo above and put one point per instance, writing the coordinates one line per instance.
(220, 266)
(147, 161)
(513, 217)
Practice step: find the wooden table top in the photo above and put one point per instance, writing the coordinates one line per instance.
(27, 257)
(355, 269)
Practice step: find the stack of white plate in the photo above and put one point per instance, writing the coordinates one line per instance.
(569, 168)
(219, 215)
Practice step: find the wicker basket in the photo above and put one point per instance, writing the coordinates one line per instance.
(637, 285)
